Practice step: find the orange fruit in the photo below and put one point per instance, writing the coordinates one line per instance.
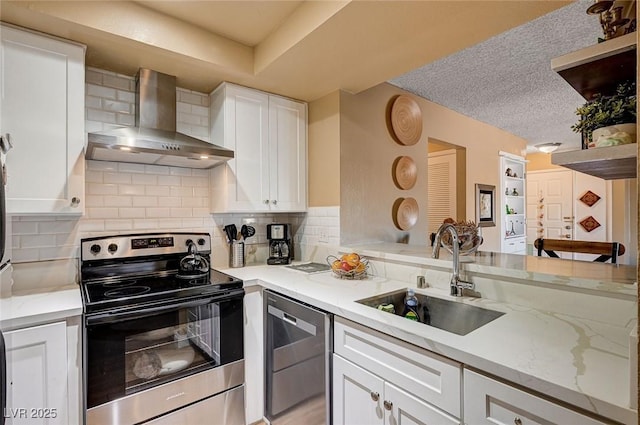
(336, 265)
(352, 259)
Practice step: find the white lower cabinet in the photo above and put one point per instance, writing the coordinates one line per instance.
(253, 354)
(39, 380)
(487, 401)
(362, 398)
(379, 379)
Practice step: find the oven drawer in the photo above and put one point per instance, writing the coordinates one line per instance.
(167, 397)
(222, 409)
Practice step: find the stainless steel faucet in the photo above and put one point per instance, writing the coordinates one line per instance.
(456, 284)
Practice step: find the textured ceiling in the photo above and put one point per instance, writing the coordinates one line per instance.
(507, 80)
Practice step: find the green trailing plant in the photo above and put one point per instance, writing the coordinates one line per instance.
(603, 111)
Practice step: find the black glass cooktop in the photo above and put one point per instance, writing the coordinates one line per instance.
(109, 293)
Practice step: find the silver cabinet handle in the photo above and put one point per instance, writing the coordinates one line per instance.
(375, 396)
(274, 202)
(517, 421)
(388, 405)
(266, 202)
(75, 201)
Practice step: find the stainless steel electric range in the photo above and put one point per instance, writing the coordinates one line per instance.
(163, 333)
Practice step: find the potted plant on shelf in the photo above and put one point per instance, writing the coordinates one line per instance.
(609, 120)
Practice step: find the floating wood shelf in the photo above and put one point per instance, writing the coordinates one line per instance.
(612, 162)
(599, 68)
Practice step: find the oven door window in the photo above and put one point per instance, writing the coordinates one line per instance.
(128, 356)
(187, 342)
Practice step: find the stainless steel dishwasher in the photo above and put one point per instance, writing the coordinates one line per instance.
(298, 344)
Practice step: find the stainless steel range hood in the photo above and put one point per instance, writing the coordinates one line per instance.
(154, 139)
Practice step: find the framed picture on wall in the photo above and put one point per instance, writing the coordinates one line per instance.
(485, 205)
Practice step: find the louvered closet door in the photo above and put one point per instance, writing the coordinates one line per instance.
(441, 188)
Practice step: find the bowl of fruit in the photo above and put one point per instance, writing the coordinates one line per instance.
(349, 266)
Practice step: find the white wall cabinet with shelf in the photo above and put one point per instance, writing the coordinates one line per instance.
(379, 380)
(268, 134)
(43, 374)
(513, 205)
(42, 108)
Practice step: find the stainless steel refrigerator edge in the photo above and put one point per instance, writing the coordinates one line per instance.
(298, 346)
(6, 280)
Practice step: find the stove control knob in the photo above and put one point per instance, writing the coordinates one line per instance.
(201, 241)
(188, 242)
(95, 249)
(112, 248)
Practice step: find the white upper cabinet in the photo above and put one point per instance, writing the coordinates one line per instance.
(268, 135)
(42, 108)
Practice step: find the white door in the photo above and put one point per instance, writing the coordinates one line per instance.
(37, 375)
(287, 154)
(407, 409)
(441, 192)
(358, 395)
(550, 206)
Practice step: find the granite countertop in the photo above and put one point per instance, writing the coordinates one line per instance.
(34, 307)
(583, 362)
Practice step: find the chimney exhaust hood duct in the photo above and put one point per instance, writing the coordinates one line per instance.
(154, 139)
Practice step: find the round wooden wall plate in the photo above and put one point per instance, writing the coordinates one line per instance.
(405, 172)
(405, 213)
(406, 120)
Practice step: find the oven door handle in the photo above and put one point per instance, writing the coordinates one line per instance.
(114, 316)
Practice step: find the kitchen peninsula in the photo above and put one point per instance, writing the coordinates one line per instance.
(562, 338)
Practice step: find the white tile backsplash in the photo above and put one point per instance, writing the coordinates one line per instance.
(123, 197)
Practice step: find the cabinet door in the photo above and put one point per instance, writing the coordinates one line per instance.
(37, 375)
(357, 395)
(287, 154)
(407, 409)
(418, 371)
(247, 133)
(487, 401)
(254, 354)
(43, 109)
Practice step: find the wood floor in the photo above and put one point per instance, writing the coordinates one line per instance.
(311, 412)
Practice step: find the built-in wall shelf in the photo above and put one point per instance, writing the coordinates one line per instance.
(590, 70)
(611, 162)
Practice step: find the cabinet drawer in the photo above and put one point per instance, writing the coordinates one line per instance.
(487, 401)
(434, 378)
(515, 245)
(228, 408)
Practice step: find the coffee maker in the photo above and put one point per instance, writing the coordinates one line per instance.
(280, 245)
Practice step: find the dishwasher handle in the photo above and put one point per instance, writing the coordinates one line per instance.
(292, 320)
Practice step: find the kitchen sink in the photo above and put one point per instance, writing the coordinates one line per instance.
(451, 316)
